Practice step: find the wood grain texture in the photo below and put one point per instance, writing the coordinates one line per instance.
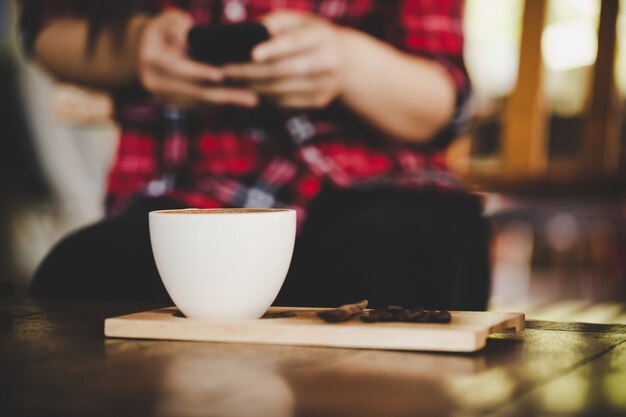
(467, 332)
(55, 361)
(606, 398)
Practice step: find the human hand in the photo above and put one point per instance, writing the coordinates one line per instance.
(300, 66)
(165, 70)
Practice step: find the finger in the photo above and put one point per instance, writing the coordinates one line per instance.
(284, 21)
(297, 66)
(177, 23)
(180, 67)
(252, 72)
(298, 101)
(290, 43)
(297, 85)
(222, 95)
(186, 91)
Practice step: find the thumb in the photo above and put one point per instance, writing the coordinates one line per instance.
(176, 25)
(283, 21)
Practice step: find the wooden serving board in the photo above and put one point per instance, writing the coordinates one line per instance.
(467, 332)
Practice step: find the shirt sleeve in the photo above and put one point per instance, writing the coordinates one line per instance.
(433, 29)
(34, 15)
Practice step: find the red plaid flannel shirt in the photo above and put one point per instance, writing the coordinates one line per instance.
(270, 157)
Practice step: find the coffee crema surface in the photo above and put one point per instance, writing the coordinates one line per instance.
(222, 211)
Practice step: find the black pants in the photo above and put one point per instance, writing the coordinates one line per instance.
(406, 248)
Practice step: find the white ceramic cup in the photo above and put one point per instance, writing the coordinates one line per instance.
(223, 263)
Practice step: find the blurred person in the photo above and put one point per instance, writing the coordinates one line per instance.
(343, 115)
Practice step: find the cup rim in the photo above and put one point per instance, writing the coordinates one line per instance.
(221, 211)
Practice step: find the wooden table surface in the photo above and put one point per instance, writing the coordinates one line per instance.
(54, 361)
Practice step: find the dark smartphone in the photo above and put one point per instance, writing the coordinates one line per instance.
(225, 44)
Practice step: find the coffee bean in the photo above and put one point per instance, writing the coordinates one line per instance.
(343, 313)
(442, 316)
(402, 314)
(424, 317)
(391, 313)
(334, 316)
(370, 318)
(386, 316)
(414, 313)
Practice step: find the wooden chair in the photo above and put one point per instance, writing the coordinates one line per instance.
(524, 162)
(589, 181)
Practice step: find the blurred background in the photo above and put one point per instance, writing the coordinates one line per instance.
(547, 151)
